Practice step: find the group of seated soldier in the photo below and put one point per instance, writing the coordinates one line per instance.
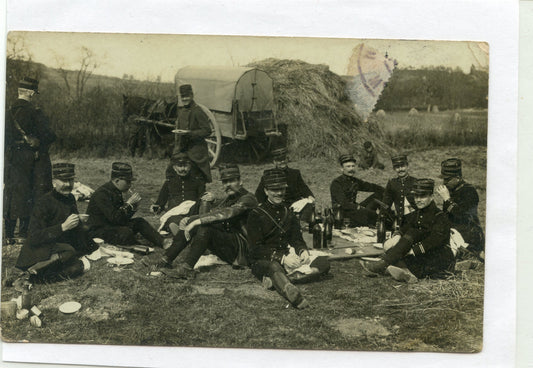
(261, 231)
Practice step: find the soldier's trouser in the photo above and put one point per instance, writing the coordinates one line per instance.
(125, 235)
(280, 281)
(225, 245)
(262, 268)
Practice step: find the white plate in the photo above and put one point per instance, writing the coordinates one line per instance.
(180, 131)
(371, 259)
(98, 241)
(120, 260)
(69, 307)
(377, 245)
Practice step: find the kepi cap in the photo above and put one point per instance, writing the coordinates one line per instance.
(63, 171)
(279, 154)
(346, 158)
(29, 83)
(229, 171)
(121, 170)
(423, 187)
(450, 168)
(180, 158)
(274, 179)
(185, 90)
(399, 160)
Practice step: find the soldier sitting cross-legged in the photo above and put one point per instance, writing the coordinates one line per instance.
(57, 236)
(420, 248)
(277, 246)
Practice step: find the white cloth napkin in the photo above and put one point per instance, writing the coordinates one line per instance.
(181, 209)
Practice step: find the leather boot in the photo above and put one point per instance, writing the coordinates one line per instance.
(290, 292)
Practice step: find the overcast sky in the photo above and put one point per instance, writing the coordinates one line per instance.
(149, 56)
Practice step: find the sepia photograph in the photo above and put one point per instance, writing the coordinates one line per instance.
(245, 192)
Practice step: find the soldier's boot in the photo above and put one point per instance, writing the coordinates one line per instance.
(401, 274)
(290, 292)
(374, 267)
(181, 271)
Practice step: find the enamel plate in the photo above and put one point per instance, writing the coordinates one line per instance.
(371, 259)
(120, 260)
(69, 307)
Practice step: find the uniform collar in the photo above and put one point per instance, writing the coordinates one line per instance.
(62, 198)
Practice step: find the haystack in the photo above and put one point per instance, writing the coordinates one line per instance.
(311, 101)
(413, 112)
(435, 109)
(381, 113)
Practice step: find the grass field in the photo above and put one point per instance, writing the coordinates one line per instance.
(224, 307)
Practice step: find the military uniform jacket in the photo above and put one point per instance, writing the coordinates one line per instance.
(368, 159)
(177, 189)
(428, 228)
(296, 189)
(268, 241)
(231, 213)
(396, 191)
(107, 208)
(45, 231)
(344, 191)
(462, 205)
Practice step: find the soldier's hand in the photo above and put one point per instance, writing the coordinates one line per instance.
(155, 208)
(32, 141)
(208, 197)
(442, 190)
(304, 257)
(134, 199)
(71, 222)
(291, 260)
(183, 223)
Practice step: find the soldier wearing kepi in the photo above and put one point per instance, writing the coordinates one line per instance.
(276, 243)
(420, 248)
(298, 196)
(179, 186)
(194, 126)
(111, 216)
(57, 236)
(27, 171)
(344, 194)
(222, 230)
(460, 204)
(399, 190)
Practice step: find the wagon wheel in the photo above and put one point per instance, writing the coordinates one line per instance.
(214, 141)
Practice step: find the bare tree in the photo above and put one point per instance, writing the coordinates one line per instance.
(82, 74)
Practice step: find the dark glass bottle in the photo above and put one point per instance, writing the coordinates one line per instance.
(312, 222)
(328, 224)
(339, 221)
(317, 236)
(380, 228)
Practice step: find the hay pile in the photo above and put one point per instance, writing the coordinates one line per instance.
(311, 101)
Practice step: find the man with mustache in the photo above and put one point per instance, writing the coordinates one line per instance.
(460, 204)
(297, 195)
(399, 190)
(56, 236)
(111, 218)
(344, 194)
(420, 247)
(276, 243)
(194, 124)
(222, 230)
(178, 187)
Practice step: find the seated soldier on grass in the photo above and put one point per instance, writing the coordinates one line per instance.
(56, 237)
(344, 191)
(298, 196)
(179, 186)
(110, 218)
(276, 243)
(221, 230)
(399, 190)
(460, 204)
(420, 248)
(369, 158)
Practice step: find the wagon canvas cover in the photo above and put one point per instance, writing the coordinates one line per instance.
(217, 87)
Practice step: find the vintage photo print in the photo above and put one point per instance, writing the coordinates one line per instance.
(199, 200)
(303, 194)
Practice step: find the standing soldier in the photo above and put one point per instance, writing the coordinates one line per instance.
(297, 195)
(178, 187)
(344, 194)
(57, 236)
(420, 248)
(27, 170)
(460, 204)
(111, 217)
(194, 126)
(399, 190)
(276, 243)
(222, 230)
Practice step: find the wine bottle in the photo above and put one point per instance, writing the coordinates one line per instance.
(317, 236)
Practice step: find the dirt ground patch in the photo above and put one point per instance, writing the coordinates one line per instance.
(357, 327)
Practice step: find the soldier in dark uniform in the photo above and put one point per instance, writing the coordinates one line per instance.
(111, 217)
(27, 170)
(178, 187)
(56, 235)
(222, 230)
(399, 190)
(369, 158)
(276, 243)
(344, 194)
(421, 246)
(296, 189)
(460, 204)
(194, 123)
